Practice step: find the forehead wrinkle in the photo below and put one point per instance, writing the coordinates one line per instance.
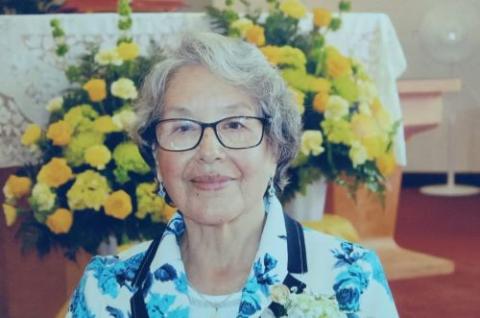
(227, 109)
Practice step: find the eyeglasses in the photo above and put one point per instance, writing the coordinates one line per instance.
(238, 132)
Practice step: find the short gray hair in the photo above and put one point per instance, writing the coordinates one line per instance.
(240, 64)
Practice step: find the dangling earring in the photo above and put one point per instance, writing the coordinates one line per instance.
(161, 190)
(271, 188)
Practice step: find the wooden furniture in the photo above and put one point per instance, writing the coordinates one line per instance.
(422, 110)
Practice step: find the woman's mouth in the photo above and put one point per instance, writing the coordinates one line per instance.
(211, 183)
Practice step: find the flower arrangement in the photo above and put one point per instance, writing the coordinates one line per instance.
(90, 181)
(348, 134)
(305, 304)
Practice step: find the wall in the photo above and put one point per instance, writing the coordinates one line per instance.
(427, 151)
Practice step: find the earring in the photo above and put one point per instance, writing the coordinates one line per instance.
(271, 188)
(161, 190)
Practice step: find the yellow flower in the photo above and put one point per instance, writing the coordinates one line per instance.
(98, 156)
(124, 88)
(364, 126)
(105, 124)
(242, 25)
(10, 214)
(337, 131)
(255, 35)
(357, 154)
(320, 102)
(60, 133)
(55, 104)
(311, 143)
(124, 119)
(42, 198)
(336, 64)
(337, 107)
(90, 190)
(293, 8)
(299, 99)
(168, 211)
(321, 17)
(386, 163)
(96, 89)
(60, 221)
(367, 91)
(31, 135)
(272, 54)
(118, 205)
(383, 118)
(375, 145)
(55, 173)
(108, 56)
(319, 84)
(16, 187)
(128, 51)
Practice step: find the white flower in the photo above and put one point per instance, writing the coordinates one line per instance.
(55, 104)
(42, 197)
(311, 143)
(108, 56)
(367, 91)
(337, 107)
(124, 88)
(358, 153)
(124, 119)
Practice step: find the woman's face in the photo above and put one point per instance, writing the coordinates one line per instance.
(211, 184)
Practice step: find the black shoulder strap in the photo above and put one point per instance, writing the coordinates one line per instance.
(137, 302)
(297, 256)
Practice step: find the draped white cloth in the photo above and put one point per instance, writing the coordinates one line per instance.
(31, 74)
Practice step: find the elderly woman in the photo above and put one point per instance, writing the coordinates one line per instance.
(219, 126)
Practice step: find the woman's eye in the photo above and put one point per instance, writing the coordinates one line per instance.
(234, 125)
(182, 128)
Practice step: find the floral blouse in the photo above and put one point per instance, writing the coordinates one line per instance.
(305, 261)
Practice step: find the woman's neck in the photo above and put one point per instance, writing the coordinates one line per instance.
(218, 258)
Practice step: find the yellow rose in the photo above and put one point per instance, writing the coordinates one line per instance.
(59, 133)
(311, 142)
(242, 25)
(128, 51)
(321, 17)
(55, 173)
(357, 154)
(319, 84)
(293, 8)
(272, 53)
(337, 65)
(96, 89)
(255, 35)
(337, 107)
(386, 163)
(31, 135)
(118, 205)
(16, 187)
(60, 221)
(10, 214)
(105, 124)
(320, 102)
(98, 156)
(124, 88)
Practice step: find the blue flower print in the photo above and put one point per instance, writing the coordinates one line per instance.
(165, 273)
(78, 305)
(249, 304)
(348, 287)
(159, 306)
(176, 226)
(115, 312)
(377, 272)
(181, 283)
(262, 272)
(348, 254)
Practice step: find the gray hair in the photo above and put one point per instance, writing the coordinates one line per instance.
(240, 64)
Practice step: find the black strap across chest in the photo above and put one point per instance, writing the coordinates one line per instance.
(297, 264)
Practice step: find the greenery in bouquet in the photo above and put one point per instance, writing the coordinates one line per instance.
(90, 181)
(348, 134)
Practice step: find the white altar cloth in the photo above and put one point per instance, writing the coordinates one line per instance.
(31, 74)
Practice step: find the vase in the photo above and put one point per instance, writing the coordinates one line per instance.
(310, 206)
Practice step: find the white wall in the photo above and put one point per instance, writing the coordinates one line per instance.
(427, 151)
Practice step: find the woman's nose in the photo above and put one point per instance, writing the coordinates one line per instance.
(210, 148)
